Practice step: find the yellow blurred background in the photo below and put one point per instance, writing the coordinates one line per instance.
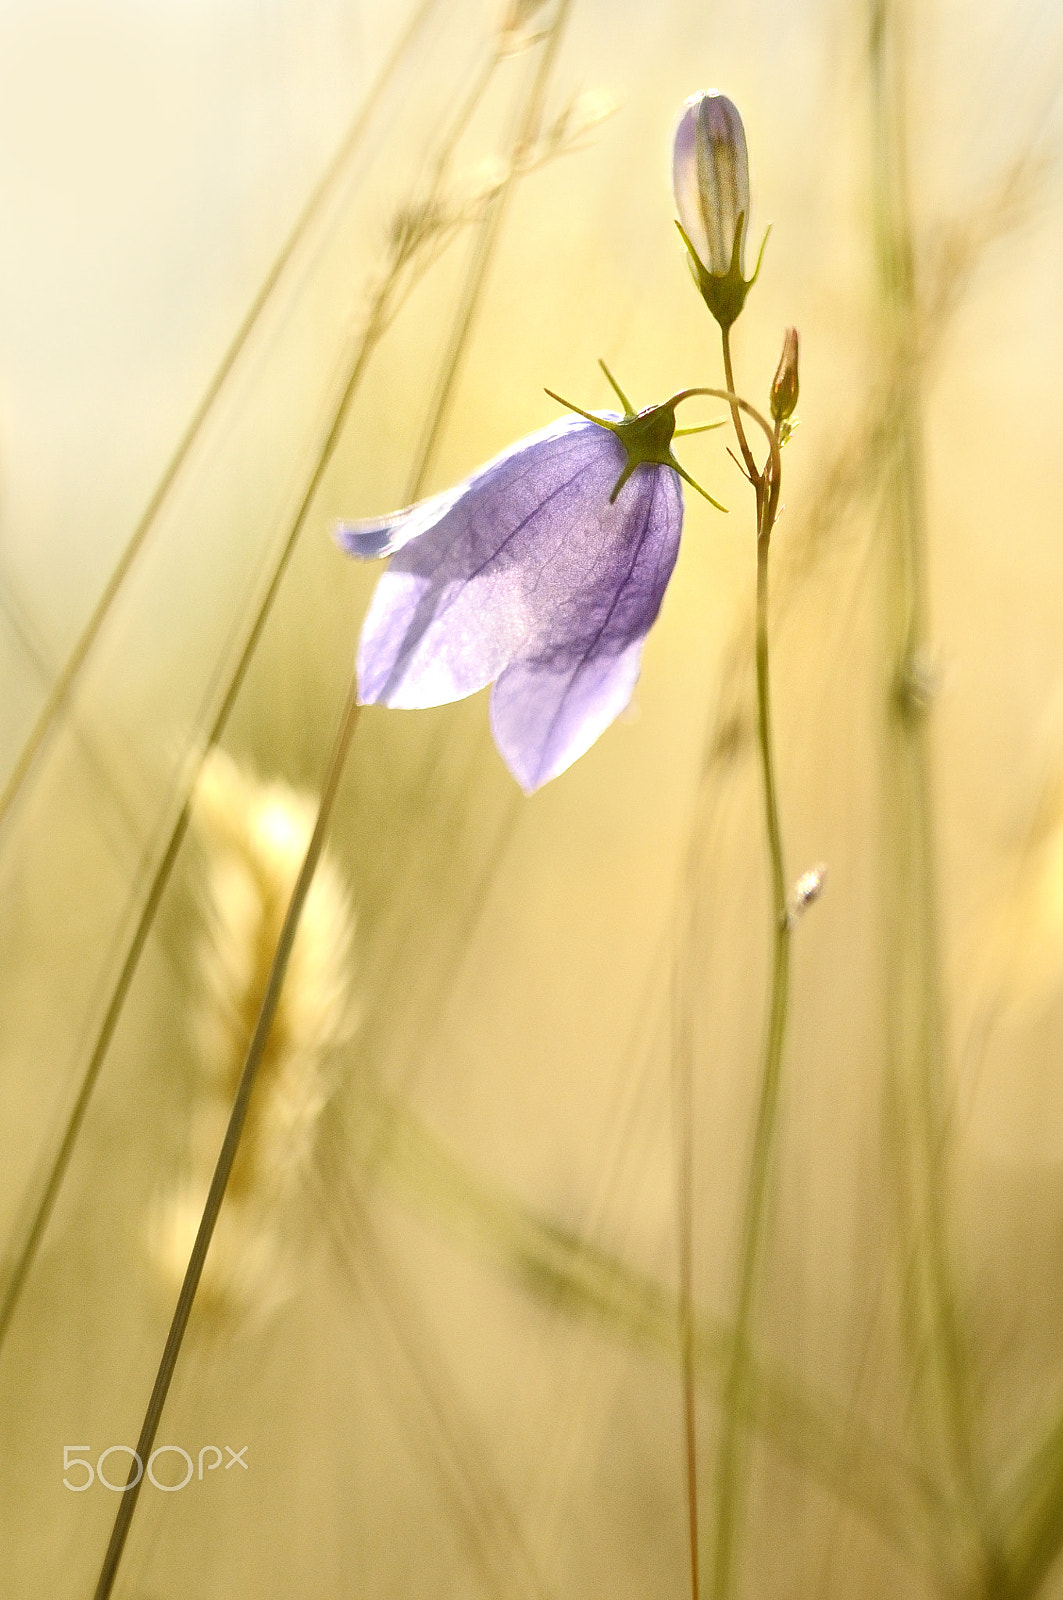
(445, 1324)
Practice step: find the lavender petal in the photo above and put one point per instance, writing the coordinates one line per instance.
(462, 597)
(685, 179)
(375, 537)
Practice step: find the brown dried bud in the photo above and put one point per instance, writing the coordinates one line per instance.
(784, 389)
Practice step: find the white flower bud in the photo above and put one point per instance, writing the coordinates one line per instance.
(710, 169)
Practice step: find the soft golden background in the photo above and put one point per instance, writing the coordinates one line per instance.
(470, 1387)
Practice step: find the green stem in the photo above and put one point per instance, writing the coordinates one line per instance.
(730, 1459)
(767, 486)
(736, 415)
(686, 1316)
(735, 1399)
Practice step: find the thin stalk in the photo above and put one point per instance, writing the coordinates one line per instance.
(730, 1458)
(230, 1144)
(462, 118)
(767, 501)
(735, 1396)
(767, 485)
(736, 415)
(685, 1313)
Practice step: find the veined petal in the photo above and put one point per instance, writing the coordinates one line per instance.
(578, 674)
(458, 602)
(375, 537)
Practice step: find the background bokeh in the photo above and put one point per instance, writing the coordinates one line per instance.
(456, 1370)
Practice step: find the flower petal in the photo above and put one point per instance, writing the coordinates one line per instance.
(375, 537)
(685, 179)
(459, 601)
(723, 178)
(710, 177)
(552, 703)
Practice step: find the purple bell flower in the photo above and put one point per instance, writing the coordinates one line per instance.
(542, 574)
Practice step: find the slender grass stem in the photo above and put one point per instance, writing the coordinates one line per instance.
(730, 1458)
(230, 1144)
(462, 117)
(684, 1121)
(735, 1397)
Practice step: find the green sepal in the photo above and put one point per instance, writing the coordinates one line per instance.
(724, 293)
(645, 435)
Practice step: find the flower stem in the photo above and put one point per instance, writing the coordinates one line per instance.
(766, 484)
(730, 1462)
(685, 1313)
(230, 1144)
(736, 415)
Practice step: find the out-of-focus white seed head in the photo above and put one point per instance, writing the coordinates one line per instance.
(246, 1276)
(254, 837)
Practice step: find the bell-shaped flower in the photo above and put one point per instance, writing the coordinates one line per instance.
(541, 574)
(710, 172)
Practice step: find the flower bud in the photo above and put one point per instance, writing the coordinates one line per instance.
(784, 388)
(710, 172)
